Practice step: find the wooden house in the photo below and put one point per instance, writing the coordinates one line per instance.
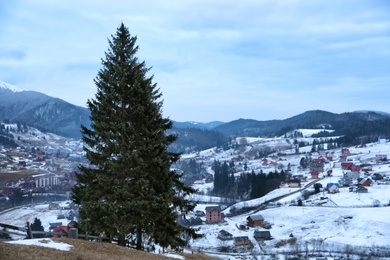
(61, 231)
(182, 221)
(318, 160)
(255, 220)
(261, 235)
(214, 215)
(224, 235)
(365, 182)
(346, 165)
(295, 183)
(317, 166)
(314, 174)
(242, 241)
(54, 225)
(355, 168)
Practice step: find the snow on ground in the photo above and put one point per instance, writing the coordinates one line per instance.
(44, 242)
(20, 216)
(345, 218)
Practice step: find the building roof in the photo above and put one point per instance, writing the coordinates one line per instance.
(265, 234)
(241, 239)
(224, 233)
(213, 208)
(256, 217)
(332, 184)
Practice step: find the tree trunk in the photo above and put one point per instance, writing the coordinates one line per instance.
(121, 239)
(139, 239)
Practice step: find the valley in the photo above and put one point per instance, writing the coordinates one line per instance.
(334, 221)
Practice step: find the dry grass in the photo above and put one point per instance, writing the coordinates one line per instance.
(14, 176)
(82, 250)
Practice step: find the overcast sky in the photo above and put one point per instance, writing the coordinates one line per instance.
(212, 60)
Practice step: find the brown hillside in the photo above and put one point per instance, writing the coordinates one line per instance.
(82, 250)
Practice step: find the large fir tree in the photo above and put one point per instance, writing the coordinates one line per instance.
(129, 187)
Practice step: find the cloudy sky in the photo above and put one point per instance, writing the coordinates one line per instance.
(212, 59)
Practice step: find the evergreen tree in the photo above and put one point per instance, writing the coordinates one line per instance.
(4, 235)
(37, 226)
(130, 188)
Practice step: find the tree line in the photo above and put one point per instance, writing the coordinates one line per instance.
(248, 185)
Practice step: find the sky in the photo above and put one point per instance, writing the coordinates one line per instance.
(212, 60)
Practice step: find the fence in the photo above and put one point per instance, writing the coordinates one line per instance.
(26, 232)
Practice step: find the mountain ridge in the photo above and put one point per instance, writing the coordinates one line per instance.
(39, 110)
(60, 117)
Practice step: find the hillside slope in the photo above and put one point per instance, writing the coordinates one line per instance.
(82, 249)
(43, 112)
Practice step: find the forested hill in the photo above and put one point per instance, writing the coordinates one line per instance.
(54, 115)
(356, 125)
(43, 112)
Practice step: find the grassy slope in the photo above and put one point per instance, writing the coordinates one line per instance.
(82, 250)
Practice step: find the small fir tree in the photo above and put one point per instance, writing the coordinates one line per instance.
(37, 226)
(5, 235)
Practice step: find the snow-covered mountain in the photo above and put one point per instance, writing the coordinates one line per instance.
(41, 111)
(5, 87)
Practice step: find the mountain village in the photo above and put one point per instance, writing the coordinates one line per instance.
(335, 208)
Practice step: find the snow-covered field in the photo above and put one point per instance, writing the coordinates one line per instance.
(346, 220)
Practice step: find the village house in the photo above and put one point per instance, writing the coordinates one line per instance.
(355, 168)
(365, 182)
(54, 167)
(242, 241)
(316, 168)
(333, 187)
(345, 182)
(329, 156)
(346, 165)
(361, 189)
(352, 175)
(255, 220)
(261, 235)
(345, 151)
(318, 160)
(214, 215)
(295, 183)
(314, 174)
(224, 235)
(381, 158)
(182, 221)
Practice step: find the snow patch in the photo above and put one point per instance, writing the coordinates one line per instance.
(6, 86)
(44, 242)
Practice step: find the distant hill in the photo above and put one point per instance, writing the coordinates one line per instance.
(54, 115)
(357, 124)
(46, 113)
(198, 125)
(196, 139)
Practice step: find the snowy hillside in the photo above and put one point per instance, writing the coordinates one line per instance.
(326, 222)
(344, 223)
